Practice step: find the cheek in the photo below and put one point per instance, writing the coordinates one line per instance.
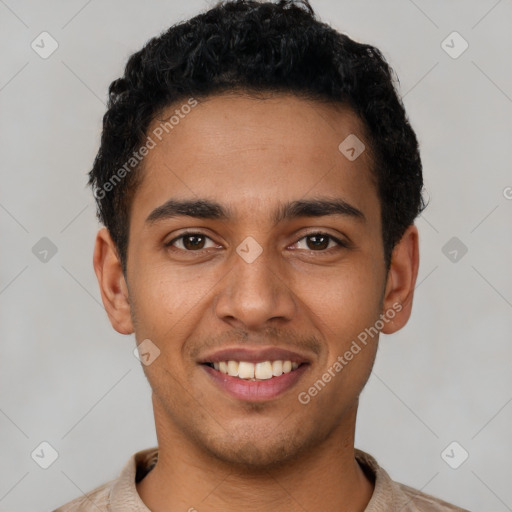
(163, 297)
(157, 313)
(346, 299)
(167, 310)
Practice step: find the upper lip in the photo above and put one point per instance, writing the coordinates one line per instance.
(254, 355)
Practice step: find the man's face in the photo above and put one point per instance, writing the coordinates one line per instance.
(213, 296)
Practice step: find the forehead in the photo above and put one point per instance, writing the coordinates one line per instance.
(248, 152)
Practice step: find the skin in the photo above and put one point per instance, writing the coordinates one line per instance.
(251, 155)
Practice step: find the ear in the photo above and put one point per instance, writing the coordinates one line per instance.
(114, 291)
(401, 280)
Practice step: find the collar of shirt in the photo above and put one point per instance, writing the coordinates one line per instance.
(120, 495)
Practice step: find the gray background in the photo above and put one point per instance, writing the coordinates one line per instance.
(67, 378)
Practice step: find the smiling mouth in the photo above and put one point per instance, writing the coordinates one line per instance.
(258, 371)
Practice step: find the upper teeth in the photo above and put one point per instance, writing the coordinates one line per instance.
(264, 370)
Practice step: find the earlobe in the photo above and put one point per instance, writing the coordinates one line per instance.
(112, 283)
(401, 281)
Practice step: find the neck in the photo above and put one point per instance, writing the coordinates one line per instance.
(325, 477)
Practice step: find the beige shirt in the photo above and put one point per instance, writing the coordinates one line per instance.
(120, 495)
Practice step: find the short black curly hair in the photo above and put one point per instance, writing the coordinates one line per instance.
(257, 47)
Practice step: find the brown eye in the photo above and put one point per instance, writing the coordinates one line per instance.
(320, 242)
(193, 242)
(317, 242)
(189, 242)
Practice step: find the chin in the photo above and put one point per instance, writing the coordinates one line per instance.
(253, 451)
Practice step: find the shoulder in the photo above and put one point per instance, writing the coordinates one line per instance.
(394, 496)
(119, 494)
(96, 500)
(419, 501)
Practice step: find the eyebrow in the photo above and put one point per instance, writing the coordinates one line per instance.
(206, 209)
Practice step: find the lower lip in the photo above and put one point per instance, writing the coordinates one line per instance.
(258, 390)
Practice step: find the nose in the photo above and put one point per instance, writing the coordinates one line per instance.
(256, 293)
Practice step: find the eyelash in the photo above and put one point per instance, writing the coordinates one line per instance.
(339, 242)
